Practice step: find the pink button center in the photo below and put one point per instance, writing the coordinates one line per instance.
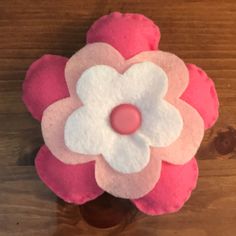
(125, 119)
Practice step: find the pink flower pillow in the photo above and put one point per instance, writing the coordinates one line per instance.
(121, 116)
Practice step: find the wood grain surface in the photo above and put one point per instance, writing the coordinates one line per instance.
(200, 32)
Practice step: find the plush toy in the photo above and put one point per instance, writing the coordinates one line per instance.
(120, 116)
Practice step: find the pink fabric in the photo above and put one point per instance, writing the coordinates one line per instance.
(202, 95)
(130, 34)
(56, 114)
(72, 183)
(128, 185)
(44, 84)
(171, 191)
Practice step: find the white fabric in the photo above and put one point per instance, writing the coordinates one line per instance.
(127, 154)
(161, 122)
(101, 88)
(87, 131)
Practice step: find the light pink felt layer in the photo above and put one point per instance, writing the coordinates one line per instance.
(44, 84)
(90, 55)
(130, 34)
(72, 183)
(171, 191)
(202, 95)
(128, 185)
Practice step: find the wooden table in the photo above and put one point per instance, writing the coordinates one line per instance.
(201, 32)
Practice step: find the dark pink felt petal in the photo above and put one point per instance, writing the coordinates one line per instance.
(72, 183)
(171, 191)
(44, 84)
(201, 94)
(128, 33)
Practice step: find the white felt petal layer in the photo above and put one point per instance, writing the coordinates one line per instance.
(103, 85)
(161, 123)
(173, 66)
(95, 86)
(101, 88)
(87, 132)
(143, 80)
(127, 154)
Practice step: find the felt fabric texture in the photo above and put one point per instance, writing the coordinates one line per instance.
(101, 88)
(176, 72)
(202, 95)
(127, 154)
(166, 122)
(52, 66)
(104, 54)
(140, 81)
(72, 183)
(52, 125)
(200, 90)
(171, 191)
(130, 34)
(44, 84)
(186, 146)
(173, 66)
(129, 186)
(88, 56)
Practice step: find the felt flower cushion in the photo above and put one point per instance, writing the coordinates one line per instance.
(90, 147)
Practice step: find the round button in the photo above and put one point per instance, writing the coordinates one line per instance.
(125, 119)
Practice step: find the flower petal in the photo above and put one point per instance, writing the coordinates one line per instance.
(44, 84)
(171, 191)
(128, 33)
(129, 186)
(105, 86)
(127, 154)
(87, 131)
(172, 65)
(72, 183)
(161, 123)
(96, 86)
(201, 94)
(144, 81)
(186, 146)
(53, 123)
(91, 55)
